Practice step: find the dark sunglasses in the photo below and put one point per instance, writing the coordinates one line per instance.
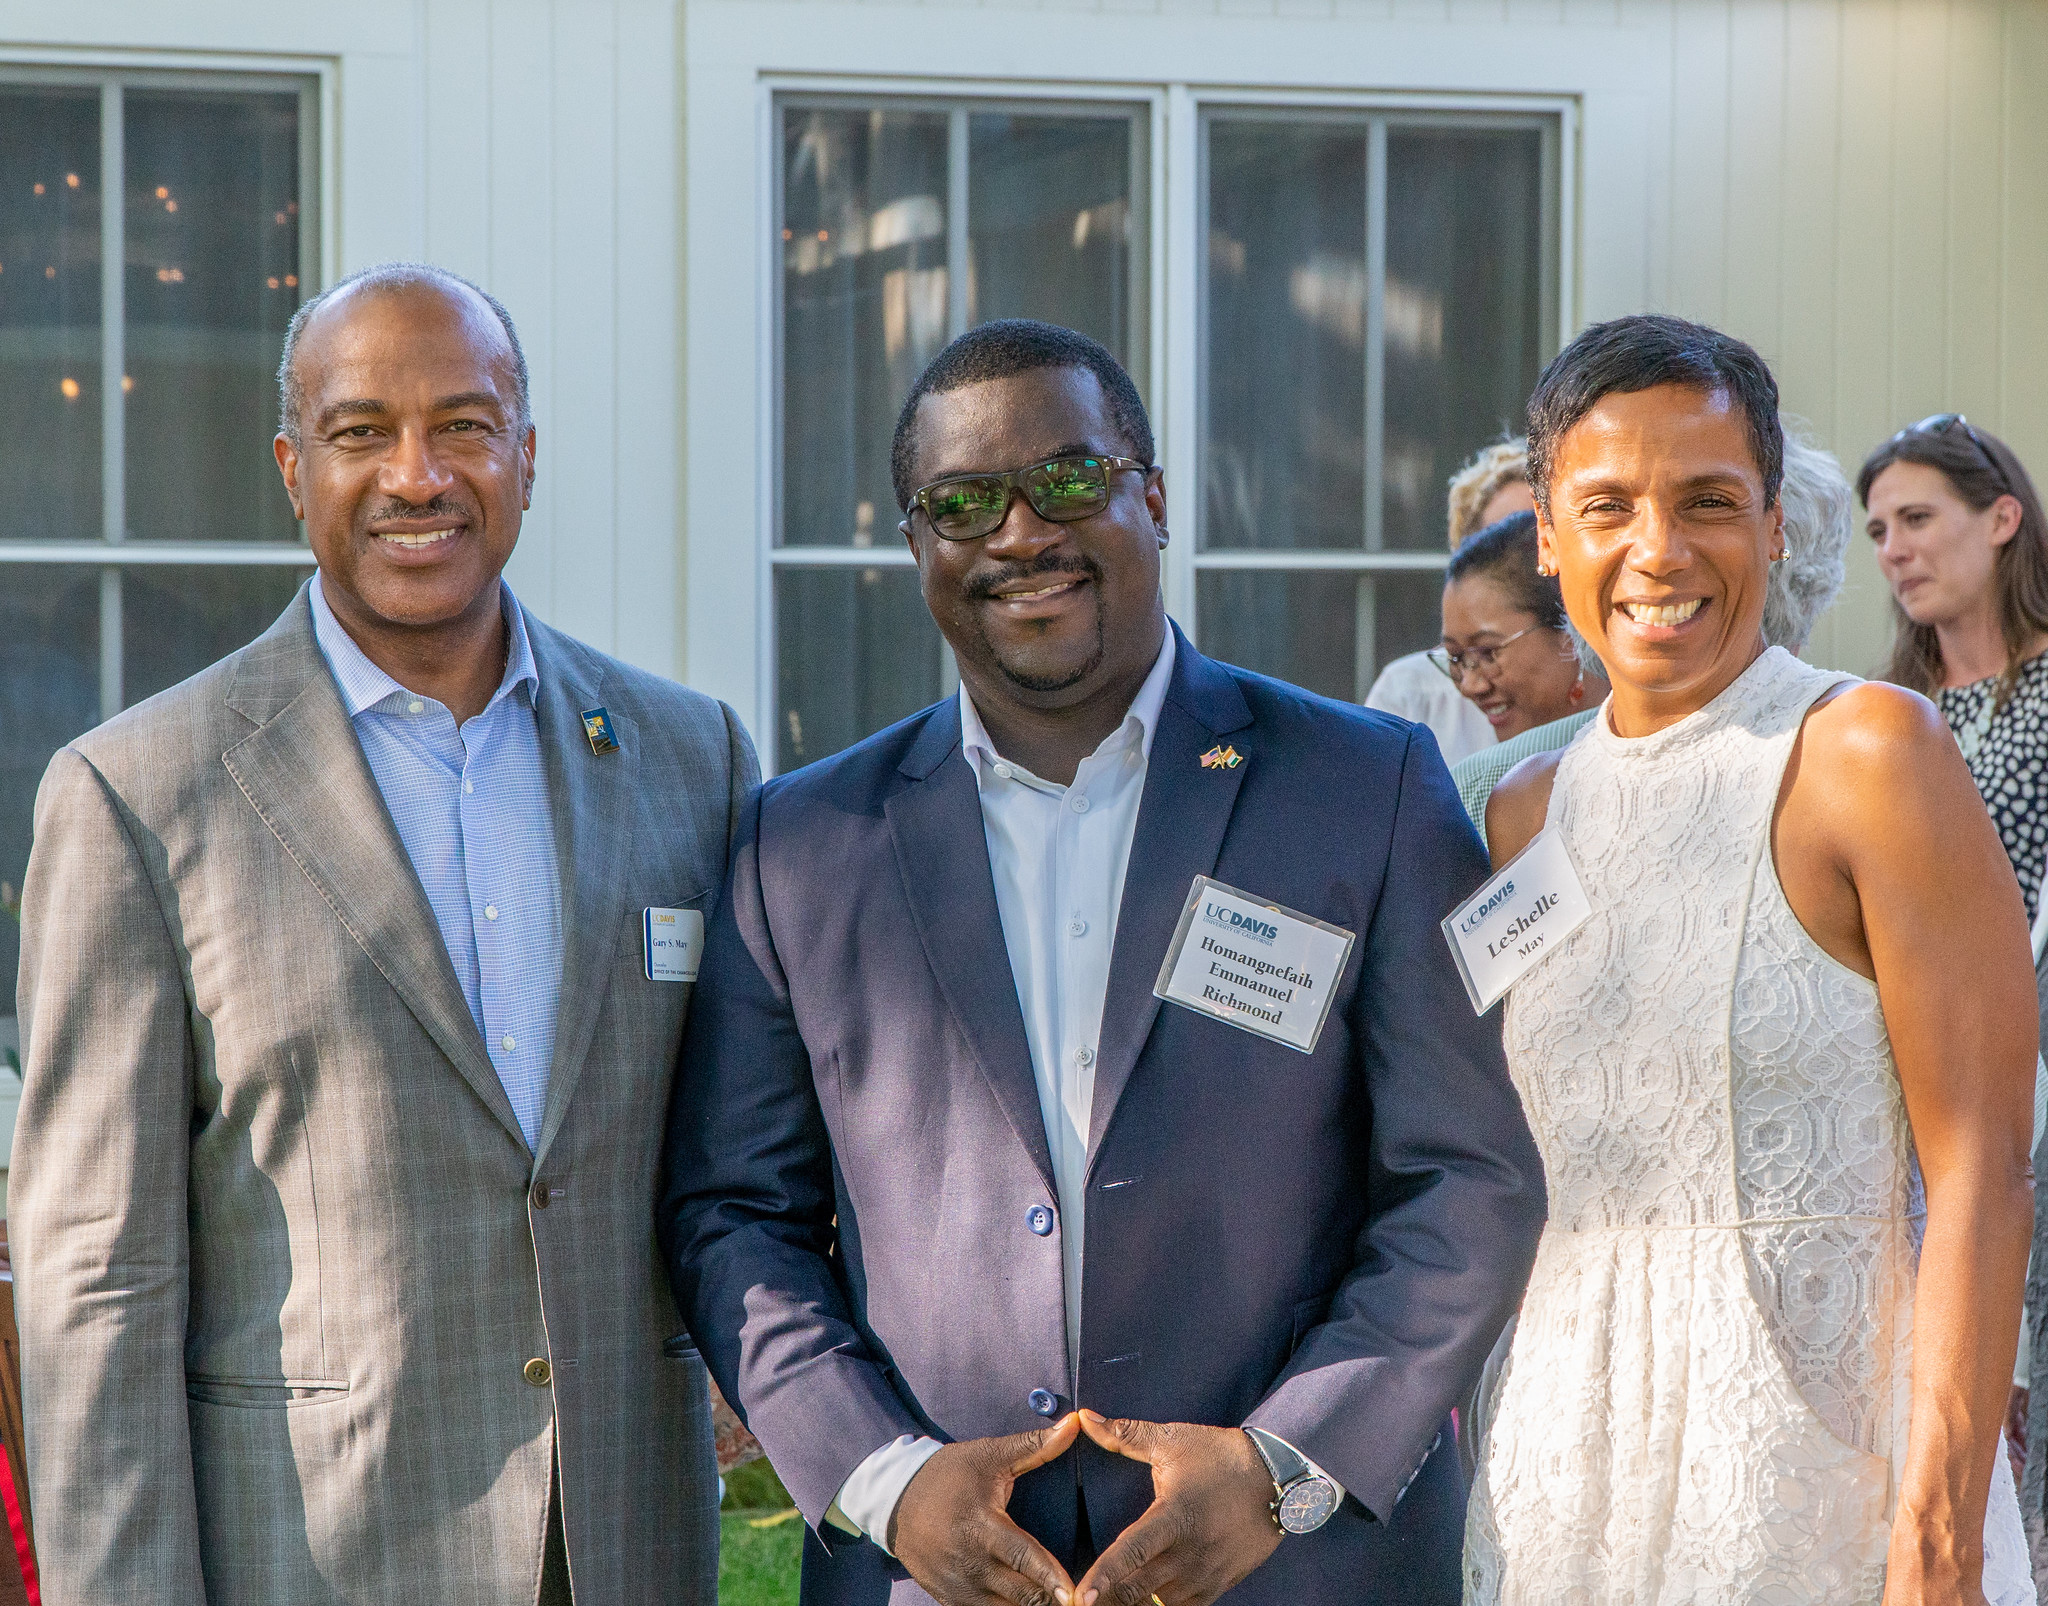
(1948, 423)
(1062, 489)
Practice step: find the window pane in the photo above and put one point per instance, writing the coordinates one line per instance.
(1464, 314)
(213, 277)
(857, 651)
(1330, 631)
(50, 392)
(864, 308)
(1049, 210)
(175, 620)
(49, 693)
(1284, 368)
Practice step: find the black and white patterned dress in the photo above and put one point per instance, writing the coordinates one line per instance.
(2007, 751)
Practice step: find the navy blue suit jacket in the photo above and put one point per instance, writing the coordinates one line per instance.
(1325, 1244)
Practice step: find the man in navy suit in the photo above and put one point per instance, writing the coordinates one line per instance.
(1022, 1275)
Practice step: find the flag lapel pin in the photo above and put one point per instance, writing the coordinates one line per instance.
(597, 725)
(1222, 758)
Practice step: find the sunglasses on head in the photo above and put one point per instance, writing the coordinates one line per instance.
(965, 507)
(1949, 423)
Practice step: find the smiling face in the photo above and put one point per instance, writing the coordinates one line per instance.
(1938, 553)
(1662, 540)
(1532, 677)
(1040, 615)
(412, 472)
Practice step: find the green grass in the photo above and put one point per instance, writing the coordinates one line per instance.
(757, 1566)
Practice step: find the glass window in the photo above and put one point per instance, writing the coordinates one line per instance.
(1379, 297)
(50, 311)
(900, 225)
(138, 353)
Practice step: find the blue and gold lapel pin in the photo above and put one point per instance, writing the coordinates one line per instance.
(597, 725)
(1222, 758)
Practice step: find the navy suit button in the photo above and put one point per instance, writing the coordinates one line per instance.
(1039, 1219)
(1043, 1402)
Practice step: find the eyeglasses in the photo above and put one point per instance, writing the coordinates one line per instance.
(1455, 665)
(1946, 423)
(1062, 489)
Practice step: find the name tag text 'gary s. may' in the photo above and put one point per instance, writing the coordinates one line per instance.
(1517, 919)
(1254, 964)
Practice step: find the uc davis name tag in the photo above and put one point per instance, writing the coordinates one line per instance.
(1254, 964)
(1517, 919)
(674, 943)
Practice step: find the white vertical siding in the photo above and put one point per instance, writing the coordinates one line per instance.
(532, 146)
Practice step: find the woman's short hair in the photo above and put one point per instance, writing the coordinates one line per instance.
(1979, 468)
(1818, 519)
(1505, 553)
(1491, 469)
(1639, 353)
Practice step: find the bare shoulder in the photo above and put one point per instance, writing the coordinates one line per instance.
(1515, 811)
(1873, 731)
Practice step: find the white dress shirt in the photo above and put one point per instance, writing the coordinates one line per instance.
(1058, 855)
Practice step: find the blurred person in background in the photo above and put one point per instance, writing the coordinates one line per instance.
(1485, 491)
(1963, 544)
(1817, 502)
(1507, 645)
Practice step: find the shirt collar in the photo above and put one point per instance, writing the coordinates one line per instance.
(1139, 722)
(364, 686)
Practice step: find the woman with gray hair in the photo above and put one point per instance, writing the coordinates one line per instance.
(1818, 506)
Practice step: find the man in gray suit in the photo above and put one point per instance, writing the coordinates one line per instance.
(353, 973)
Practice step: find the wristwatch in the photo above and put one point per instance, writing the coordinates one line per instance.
(1303, 1499)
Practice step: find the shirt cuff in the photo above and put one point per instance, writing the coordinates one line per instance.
(867, 1499)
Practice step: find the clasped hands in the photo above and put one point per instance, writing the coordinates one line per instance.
(1210, 1522)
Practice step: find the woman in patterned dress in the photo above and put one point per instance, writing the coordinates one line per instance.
(1964, 546)
(1791, 1047)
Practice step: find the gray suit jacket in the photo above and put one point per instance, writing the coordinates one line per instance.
(282, 1254)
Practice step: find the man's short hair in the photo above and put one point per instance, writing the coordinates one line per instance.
(1632, 354)
(1008, 346)
(291, 395)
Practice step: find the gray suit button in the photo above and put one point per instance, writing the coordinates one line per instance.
(1043, 1402)
(1039, 1219)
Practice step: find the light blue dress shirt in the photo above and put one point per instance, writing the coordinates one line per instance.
(471, 806)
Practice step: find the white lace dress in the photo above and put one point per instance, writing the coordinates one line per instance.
(1707, 1396)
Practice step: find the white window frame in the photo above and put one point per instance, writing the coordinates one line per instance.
(1178, 205)
(890, 552)
(119, 548)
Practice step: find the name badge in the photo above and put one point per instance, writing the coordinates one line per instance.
(1517, 919)
(1253, 964)
(675, 942)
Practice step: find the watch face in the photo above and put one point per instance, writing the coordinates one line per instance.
(1307, 1505)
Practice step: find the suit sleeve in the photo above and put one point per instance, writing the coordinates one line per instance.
(1456, 1187)
(97, 1208)
(747, 1214)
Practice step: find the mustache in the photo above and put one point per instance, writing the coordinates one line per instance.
(438, 508)
(985, 583)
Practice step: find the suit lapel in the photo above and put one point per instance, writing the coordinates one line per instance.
(1181, 820)
(303, 771)
(591, 796)
(942, 855)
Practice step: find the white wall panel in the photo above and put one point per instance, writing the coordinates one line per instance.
(530, 145)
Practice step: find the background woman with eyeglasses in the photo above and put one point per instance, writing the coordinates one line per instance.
(1964, 546)
(1506, 643)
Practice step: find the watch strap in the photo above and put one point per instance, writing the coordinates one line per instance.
(1284, 1463)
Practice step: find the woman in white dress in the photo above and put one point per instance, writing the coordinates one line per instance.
(1781, 1077)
